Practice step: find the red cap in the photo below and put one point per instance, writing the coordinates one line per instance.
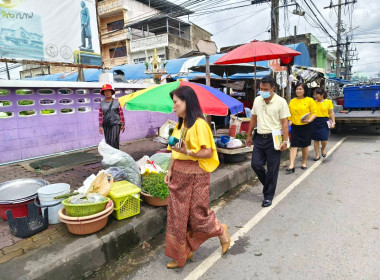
(107, 87)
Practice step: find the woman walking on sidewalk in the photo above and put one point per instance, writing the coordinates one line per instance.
(303, 111)
(322, 123)
(111, 117)
(190, 222)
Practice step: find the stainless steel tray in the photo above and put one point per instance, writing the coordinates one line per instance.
(20, 189)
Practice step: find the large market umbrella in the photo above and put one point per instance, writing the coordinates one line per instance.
(257, 51)
(157, 99)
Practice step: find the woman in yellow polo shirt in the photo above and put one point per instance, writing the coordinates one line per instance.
(320, 128)
(190, 222)
(303, 111)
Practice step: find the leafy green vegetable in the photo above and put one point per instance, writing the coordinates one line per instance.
(153, 184)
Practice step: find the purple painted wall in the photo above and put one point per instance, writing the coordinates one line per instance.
(23, 137)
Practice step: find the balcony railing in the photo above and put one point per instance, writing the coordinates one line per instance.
(109, 7)
(152, 42)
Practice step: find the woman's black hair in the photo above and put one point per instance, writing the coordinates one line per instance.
(305, 89)
(321, 91)
(193, 109)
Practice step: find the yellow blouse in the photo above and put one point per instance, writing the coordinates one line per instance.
(300, 107)
(198, 136)
(324, 107)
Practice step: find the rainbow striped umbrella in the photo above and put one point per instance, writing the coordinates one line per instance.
(157, 99)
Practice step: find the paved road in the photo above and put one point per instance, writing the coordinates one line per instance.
(324, 224)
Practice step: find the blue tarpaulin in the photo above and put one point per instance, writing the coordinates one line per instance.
(175, 68)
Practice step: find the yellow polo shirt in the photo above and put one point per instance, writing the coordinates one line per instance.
(198, 136)
(324, 107)
(300, 107)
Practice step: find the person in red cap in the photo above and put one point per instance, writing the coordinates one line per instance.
(111, 117)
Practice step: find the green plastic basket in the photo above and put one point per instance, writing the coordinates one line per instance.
(126, 198)
(81, 210)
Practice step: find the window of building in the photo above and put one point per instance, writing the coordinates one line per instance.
(4, 92)
(118, 52)
(66, 101)
(47, 101)
(25, 102)
(45, 91)
(67, 111)
(65, 91)
(24, 91)
(27, 113)
(5, 115)
(84, 109)
(5, 103)
(48, 112)
(83, 100)
(116, 25)
(82, 91)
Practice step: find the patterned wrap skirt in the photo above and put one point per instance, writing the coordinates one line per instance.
(190, 222)
(301, 136)
(320, 129)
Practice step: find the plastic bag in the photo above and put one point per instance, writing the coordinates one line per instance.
(234, 143)
(162, 160)
(235, 124)
(102, 184)
(116, 158)
(86, 199)
(147, 166)
(117, 173)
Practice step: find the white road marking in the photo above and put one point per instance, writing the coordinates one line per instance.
(216, 255)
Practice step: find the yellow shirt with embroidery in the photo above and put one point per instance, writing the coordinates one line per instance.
(197, 136)
(300, 107)
(324, 107)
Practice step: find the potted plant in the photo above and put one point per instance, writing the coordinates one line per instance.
(154, 190)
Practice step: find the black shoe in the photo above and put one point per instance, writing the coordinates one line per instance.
(316, 159)
(324, 155)
(266, 203)
(290, 170)
(303, 167)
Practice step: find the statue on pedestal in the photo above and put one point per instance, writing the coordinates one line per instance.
(85, 28)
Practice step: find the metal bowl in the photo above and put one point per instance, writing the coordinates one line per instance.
(20, 190)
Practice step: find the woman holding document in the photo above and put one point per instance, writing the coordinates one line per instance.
(325, 119)
(303, 111)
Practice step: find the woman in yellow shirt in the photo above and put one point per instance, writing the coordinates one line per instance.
(320, 128)
(303, 112)
(190, 222)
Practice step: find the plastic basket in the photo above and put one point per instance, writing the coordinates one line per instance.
(126, 198)
(81, 210)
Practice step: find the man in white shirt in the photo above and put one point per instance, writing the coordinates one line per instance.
(269, 112)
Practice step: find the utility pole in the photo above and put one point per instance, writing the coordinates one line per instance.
(274, 21)
(338, 40)
(339, 26)
(346, 63)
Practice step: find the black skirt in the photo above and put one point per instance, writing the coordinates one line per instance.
(300, 136)
(320, 130)
(112, 135)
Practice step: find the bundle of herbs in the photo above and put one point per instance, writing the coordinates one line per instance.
(153, 184)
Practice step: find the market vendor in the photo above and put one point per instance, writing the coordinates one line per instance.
(111, 117)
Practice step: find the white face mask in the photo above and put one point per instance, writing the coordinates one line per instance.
(264, 94)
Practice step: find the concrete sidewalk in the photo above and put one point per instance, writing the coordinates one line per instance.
(57, 254)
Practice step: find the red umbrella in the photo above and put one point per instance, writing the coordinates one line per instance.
(257, 51)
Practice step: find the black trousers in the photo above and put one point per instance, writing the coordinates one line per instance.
(265, 154)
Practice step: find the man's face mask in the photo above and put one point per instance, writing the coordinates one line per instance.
(264, 94)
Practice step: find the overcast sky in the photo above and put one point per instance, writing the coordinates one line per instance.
(245, 24)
